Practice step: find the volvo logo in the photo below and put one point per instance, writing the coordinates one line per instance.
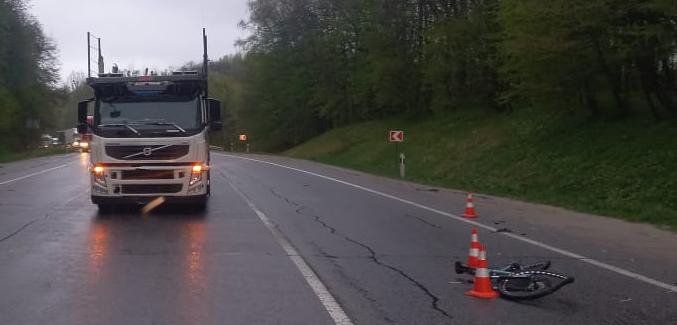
(147, 151)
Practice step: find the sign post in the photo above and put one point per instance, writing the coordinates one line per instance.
(397, 137)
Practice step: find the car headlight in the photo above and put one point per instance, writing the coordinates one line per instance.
(84, 144)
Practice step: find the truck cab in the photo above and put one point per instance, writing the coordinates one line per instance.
(149, 138)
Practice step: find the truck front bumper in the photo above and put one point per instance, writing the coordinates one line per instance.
(193, 199)
(142, 184)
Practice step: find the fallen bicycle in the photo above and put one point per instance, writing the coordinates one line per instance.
(519, 282)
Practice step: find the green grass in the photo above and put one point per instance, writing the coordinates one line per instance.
(7, 156)
(624, 169)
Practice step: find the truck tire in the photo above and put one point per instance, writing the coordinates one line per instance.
(208, 183)
(201, 204)
(105, 208)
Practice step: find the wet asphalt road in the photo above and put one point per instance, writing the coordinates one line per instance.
(385, 261)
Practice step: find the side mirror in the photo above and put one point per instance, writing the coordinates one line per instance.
(82, 116)
(216, 126)
(214, 107)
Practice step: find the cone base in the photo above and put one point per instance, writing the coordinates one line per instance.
(486, 295)
(465, 215)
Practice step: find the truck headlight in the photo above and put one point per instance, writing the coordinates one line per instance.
(99, 173)
(196, 174)
(98, 170)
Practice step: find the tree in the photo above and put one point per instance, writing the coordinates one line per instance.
(315, 64)
(28, 74)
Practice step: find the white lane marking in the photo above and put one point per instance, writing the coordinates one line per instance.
(35, 174)
(567, 253)
(328, 301)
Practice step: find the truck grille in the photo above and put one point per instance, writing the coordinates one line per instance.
(146, 174)
(155, 152)
(151, 188)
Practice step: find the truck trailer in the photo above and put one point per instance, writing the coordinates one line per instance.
(150, 137)
(67, 137)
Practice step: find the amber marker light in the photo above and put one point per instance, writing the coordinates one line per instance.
(98, 170)
(197, 169)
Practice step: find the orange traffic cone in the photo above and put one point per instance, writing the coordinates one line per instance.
(474, 251)
(482, 287)
(470, 208)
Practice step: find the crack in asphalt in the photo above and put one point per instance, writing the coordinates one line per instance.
(317, 219)
(324, 254)
(279, 196)
(373, 256)
(22, 228)
(377, 307)
(423, 220)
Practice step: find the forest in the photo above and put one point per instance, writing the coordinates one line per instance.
(313, 65)
(309, 66)
(28, 78)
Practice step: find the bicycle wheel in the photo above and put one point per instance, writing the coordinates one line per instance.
(531, 284)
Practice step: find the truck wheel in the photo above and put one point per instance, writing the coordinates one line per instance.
(105, 208)
(201, 204)
(209, 184)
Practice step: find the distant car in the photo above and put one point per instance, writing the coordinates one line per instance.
(84, 146)
(46, 141)
(68, 138)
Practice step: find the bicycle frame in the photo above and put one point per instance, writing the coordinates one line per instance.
(504, 272)
(531, 289)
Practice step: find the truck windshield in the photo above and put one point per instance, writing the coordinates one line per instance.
(181, 113)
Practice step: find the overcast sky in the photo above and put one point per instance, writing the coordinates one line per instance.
(140, 33)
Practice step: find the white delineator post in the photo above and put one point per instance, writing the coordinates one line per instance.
(402, 166)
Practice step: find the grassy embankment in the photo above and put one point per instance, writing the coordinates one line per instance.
(624, 169)
(7, 156)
